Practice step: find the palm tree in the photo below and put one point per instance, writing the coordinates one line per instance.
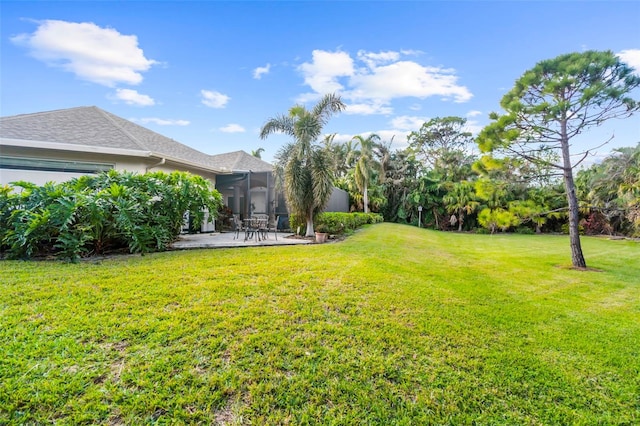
(365, 165)
(303, 166)
(257, 153)
(339, 152)
(615, 185)
(461, 199)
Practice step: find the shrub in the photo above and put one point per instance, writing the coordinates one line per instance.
(336, 223)
(565, 229)
(596, 223)
(94, 213)
(493, 219)
(524, 230)
(295, 222)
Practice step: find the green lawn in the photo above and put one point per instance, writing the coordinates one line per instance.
(394, 325)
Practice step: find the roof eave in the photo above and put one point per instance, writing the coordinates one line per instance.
(191, 164)
(58, 146)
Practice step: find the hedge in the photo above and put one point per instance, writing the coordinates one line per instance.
(336, 223)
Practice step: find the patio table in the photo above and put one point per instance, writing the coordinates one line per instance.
(255, 227)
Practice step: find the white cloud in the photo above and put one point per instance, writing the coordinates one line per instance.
(232, 128)
(340, 138)
(374, 59)
(132, 97)
(407, 79)
(162, 121)
(632, 58)
(214, 99)
(411, 52)
(369, 108)
(308, 97)
(323, 72)
(95, 54)
(474, 127)
(400, 128)
(374, 79)
(406, 122)
(398, 138)
(258, 72)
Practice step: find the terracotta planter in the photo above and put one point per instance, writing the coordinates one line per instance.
(321, 237)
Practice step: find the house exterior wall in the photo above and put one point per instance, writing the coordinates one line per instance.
(37, 177)
(131, 164)
(40, 177)
(339, 201)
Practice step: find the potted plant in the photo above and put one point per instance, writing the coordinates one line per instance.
(321, 233)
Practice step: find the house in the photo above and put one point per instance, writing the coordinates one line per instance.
(63, 144)
(58, 145)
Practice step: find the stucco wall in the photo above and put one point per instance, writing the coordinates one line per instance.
(132, 164)
(33, 176)
(339, 201)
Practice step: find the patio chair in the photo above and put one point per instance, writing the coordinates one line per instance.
(274, 225)
(237, 226)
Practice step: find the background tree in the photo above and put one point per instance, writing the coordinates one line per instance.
(611, 192)
(429, 193)
(399, 183)
(304, 165)
(554, 102)
(366, 166)
(339, 152)
(444, 148)
(461, 199)
(545, 203)
(444, 145)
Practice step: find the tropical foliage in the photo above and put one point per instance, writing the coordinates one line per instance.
(303, 166)
(524, 180)
(365, 165)
(495, 193)
(610, 193)
(95, 214)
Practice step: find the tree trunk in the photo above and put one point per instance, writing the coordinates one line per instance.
(460, 216)
(435, 215)
(365, 199)
(577, 258)
(310, 232)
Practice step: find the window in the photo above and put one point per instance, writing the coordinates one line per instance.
(40, 164)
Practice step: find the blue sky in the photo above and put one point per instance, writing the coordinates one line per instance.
(210, 73)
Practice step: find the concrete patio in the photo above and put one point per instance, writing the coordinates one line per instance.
(227, 240)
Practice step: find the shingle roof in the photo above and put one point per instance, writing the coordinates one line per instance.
(241, 161)
(94, 127)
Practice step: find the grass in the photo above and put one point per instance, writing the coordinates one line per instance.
(395, 325)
